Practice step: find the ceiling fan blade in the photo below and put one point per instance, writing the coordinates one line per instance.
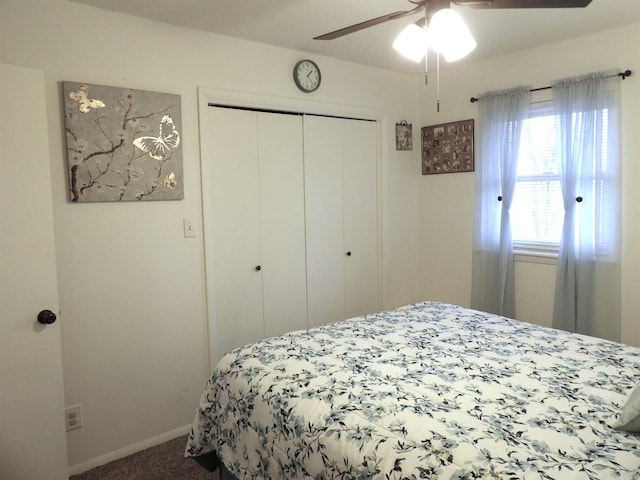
(522, 3)
(491, 4)
(369, 23)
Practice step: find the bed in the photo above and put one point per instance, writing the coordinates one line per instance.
(429, 390)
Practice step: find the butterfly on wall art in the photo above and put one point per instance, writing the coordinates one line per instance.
(160, 147)
(122, 144)
(85, 104)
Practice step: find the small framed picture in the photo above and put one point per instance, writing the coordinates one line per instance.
(448, 148)
(404, 136)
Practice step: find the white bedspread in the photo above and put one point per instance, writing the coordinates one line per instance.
(430, 391)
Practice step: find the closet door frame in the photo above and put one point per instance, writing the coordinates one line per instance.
(239, 99)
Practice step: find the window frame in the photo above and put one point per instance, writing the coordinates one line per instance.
(540, 248)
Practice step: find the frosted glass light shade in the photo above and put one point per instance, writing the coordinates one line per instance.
(412, 42)
(449, 35)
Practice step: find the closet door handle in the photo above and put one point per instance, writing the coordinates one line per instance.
(258, 268)
(46, 317)
(348, 253)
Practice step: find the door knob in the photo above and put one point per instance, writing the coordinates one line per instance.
(258, 268)
(348, 254)
(46, 317)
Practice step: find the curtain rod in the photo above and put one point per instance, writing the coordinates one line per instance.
(625, 74)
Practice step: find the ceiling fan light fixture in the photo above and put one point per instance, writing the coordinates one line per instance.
(412, 42)
(450, 36)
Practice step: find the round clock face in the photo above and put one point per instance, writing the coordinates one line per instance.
(306, 74)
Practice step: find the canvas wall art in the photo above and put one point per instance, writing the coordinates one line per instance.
(122, 144)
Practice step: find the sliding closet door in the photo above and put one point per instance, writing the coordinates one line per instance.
(342, 218)
(324, 217)
(293, 209)
(235, 201)
(282, 222)
(258, 246)
(360, 181)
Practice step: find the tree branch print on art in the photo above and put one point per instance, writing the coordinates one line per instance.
(113, 152)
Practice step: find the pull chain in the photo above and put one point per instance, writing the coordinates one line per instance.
(426, 57)
(438, 81)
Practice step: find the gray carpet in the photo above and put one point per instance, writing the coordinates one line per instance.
(163, 462)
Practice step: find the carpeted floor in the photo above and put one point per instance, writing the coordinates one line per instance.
(163, 462)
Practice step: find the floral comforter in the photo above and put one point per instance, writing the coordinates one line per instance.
(429, 390)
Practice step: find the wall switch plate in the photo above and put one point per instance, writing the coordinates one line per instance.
(189, 231)
(73, 417)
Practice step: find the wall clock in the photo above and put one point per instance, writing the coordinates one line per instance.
(306, 75)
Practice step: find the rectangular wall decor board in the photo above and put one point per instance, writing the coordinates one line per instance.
(404, 136)
(122, 144)
(448, 148)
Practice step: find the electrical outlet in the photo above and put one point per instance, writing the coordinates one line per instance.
(73, 417)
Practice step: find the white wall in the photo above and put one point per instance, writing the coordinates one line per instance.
(132, 289)
(448, 199)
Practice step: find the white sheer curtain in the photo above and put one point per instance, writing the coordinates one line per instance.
(500, 122)
(587, 296)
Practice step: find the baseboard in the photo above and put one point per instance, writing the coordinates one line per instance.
(129, 450)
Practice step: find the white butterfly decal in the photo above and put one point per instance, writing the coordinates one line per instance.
(160, 147)
(85, 103)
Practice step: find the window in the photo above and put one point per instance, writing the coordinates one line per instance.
(567, 154)
(537, 210)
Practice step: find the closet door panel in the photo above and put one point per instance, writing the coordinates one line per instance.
(324, 219)
(282, 222)
(359, 154)
(236, 227)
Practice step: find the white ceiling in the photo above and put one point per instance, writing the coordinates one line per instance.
(294, 23)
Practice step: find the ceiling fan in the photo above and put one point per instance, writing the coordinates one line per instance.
(442, 28)
(433, 6)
